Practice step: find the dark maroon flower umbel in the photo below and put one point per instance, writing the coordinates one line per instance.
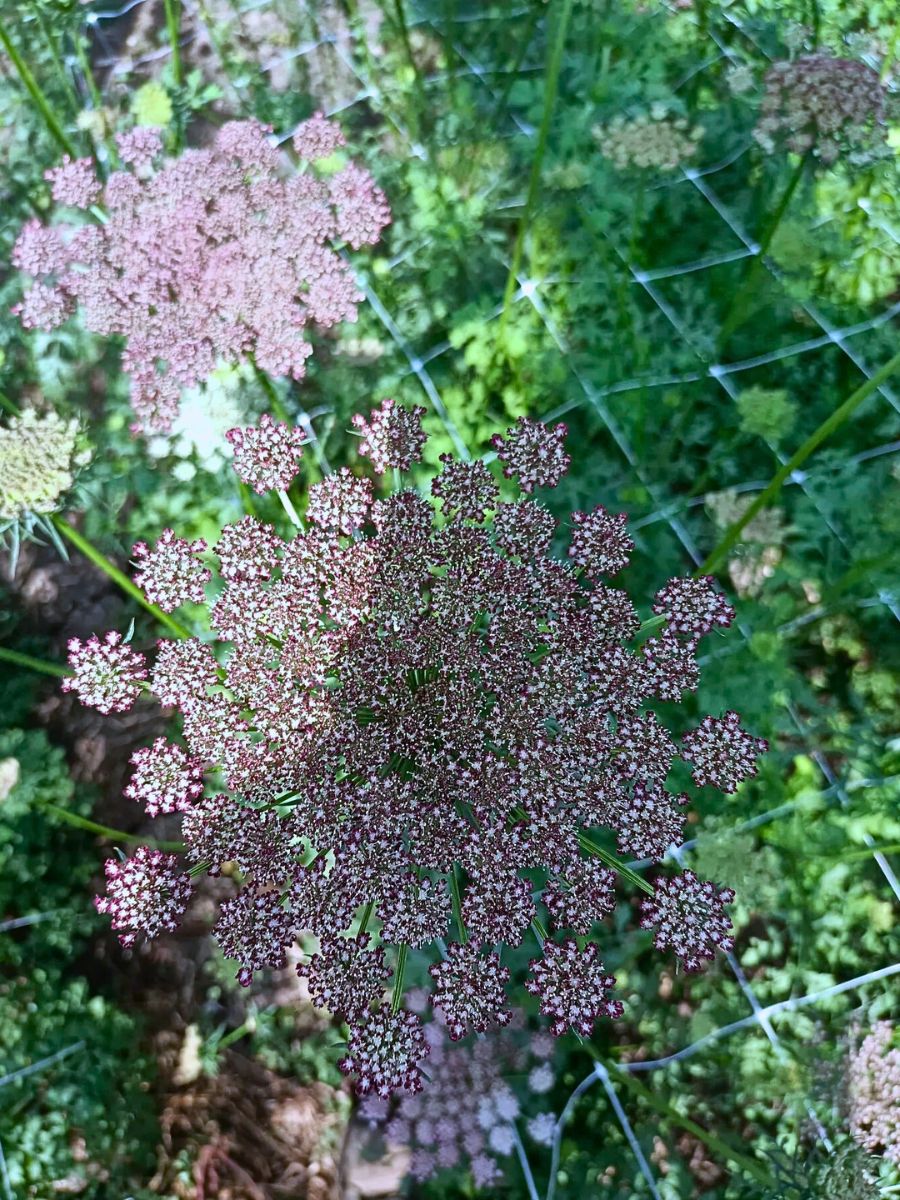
(412, 715)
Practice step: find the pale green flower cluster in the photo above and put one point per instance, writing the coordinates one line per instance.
(652, 141)
(39, 457)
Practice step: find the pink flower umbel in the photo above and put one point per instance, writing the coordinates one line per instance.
(345, 976)
(146, 894)
(268, 456)
(533, 453)
(108, 675)
(572, 986)
(722, 753)
(165, 778)
(204, 259)
(692, 606)
(384, 1054)
(171, 574)
(469, 989)
(688, 916)
(600, 544)
(392, 436)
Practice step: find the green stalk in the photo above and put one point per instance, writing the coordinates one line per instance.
(33, 664)
(513, 75)
(740, 301)
(119, 577)
(749, 1165)
(366, 917)
(551, 85)
(288, 506)
(605, 856)
(421, 101)
(65, 81)
(457, 905)
(173, 19)
(397, 996)
(274, 399)
(118, 835)
(34, 90)
(841, 414)
(358, 30)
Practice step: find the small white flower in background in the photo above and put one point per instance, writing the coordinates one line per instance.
(9, 776)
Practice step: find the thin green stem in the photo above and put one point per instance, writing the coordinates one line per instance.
(65, 81)
(551, 84)
(590, 846)
(272, 394)
(397, 996)
(366, 917)
(90, 551)
(118, 835)
(742, 298)
(33, 664)
(421, 102)
(513, 75)
(34, 90)
(457, 905)
(85, 67)
(841, 414)
(659, 1104)
(288, 506)
(173, 21)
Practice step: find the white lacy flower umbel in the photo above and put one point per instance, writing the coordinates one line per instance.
(417, 715)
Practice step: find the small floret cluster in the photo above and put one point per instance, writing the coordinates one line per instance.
(821, 104)
(467, 1115)
(873, 1092)
(211, 258)
(413, 717)
(654, 141)
(39, 458)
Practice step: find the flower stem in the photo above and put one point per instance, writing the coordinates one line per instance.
(420, 106)
(551, 84)
(457, 905)
(274, 399)
(605, 856)
(173, 17)
(90, 551)
(118, 835)
(366, 917)
(749, 1165)
(841, 414)
(34, 90)
(736, 313)
(397, 997)
(33, 664)
(65, 81)
(288, 506)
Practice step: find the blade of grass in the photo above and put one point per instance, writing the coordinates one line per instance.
(748, 1165)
